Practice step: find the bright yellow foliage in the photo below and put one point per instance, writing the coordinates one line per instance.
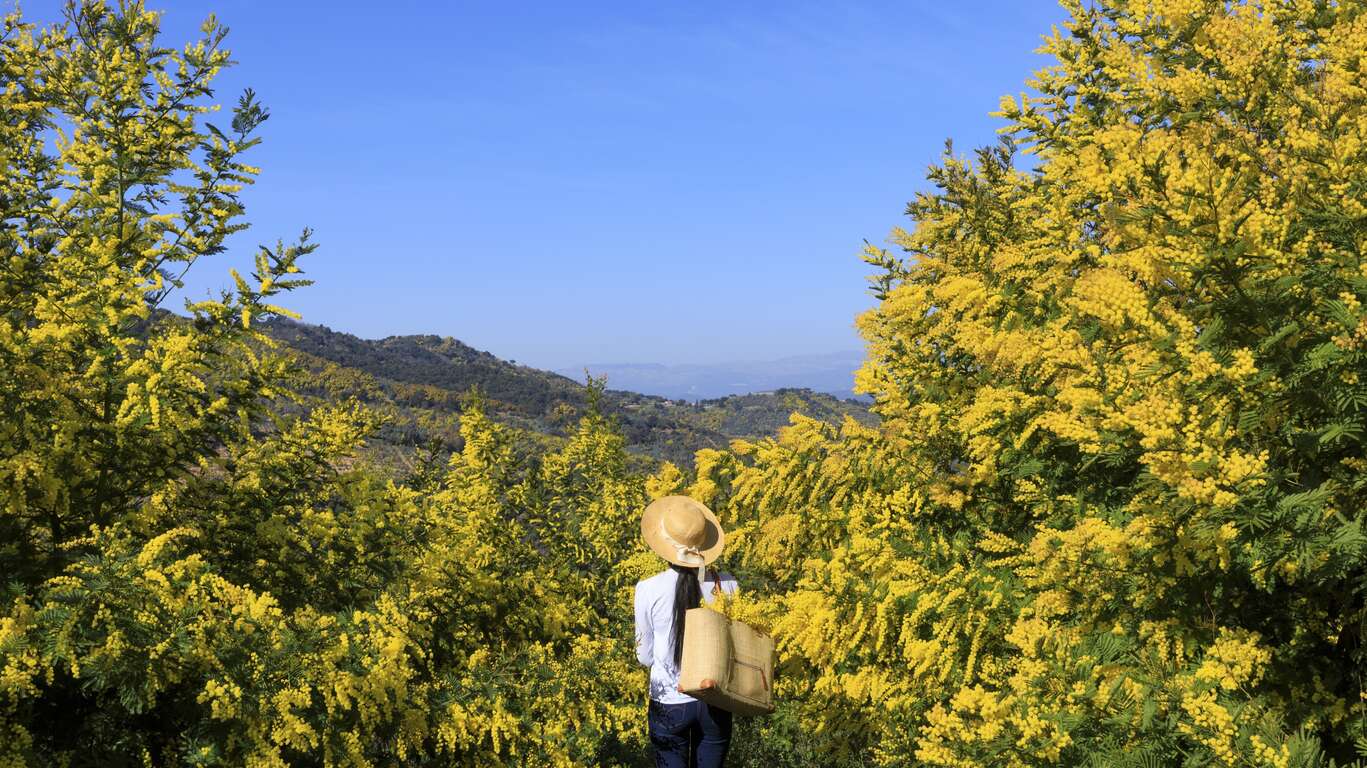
(1114, 511)
(1112, 515)
(194, 571)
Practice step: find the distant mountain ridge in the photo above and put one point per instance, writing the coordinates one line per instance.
(831, 373)
(420, 383)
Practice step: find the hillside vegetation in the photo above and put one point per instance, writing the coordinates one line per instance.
(1111, 512)
(419, 383)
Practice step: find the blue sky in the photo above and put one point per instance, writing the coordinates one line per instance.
(590, 182)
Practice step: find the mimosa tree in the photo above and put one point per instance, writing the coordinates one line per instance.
(188, 576)
(1114, 513)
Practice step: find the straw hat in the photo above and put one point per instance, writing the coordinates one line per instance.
(682, 531)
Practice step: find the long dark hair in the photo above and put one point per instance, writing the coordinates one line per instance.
(687, 594)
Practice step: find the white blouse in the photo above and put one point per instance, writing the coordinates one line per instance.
(654, 625)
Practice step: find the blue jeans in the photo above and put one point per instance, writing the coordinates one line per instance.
(691, 735)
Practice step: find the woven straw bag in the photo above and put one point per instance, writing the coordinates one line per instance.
(738, 659)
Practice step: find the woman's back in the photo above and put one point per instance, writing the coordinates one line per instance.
(655, 625)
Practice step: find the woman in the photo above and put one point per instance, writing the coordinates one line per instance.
(685, 732)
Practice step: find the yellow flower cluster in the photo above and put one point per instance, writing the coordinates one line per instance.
(1120, 391)
(1111, 508)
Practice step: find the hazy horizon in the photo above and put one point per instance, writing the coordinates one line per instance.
(830, 372)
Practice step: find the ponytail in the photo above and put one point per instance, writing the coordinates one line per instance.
(687, 594)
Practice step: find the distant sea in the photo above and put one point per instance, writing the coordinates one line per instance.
(831, 372)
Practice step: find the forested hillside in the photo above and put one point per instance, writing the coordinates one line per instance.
(1111, 513)
(420, 382)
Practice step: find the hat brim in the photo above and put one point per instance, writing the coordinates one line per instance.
(652, 530)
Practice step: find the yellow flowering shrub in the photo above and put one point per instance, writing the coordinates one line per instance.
(195, 570)
(1114, 512)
